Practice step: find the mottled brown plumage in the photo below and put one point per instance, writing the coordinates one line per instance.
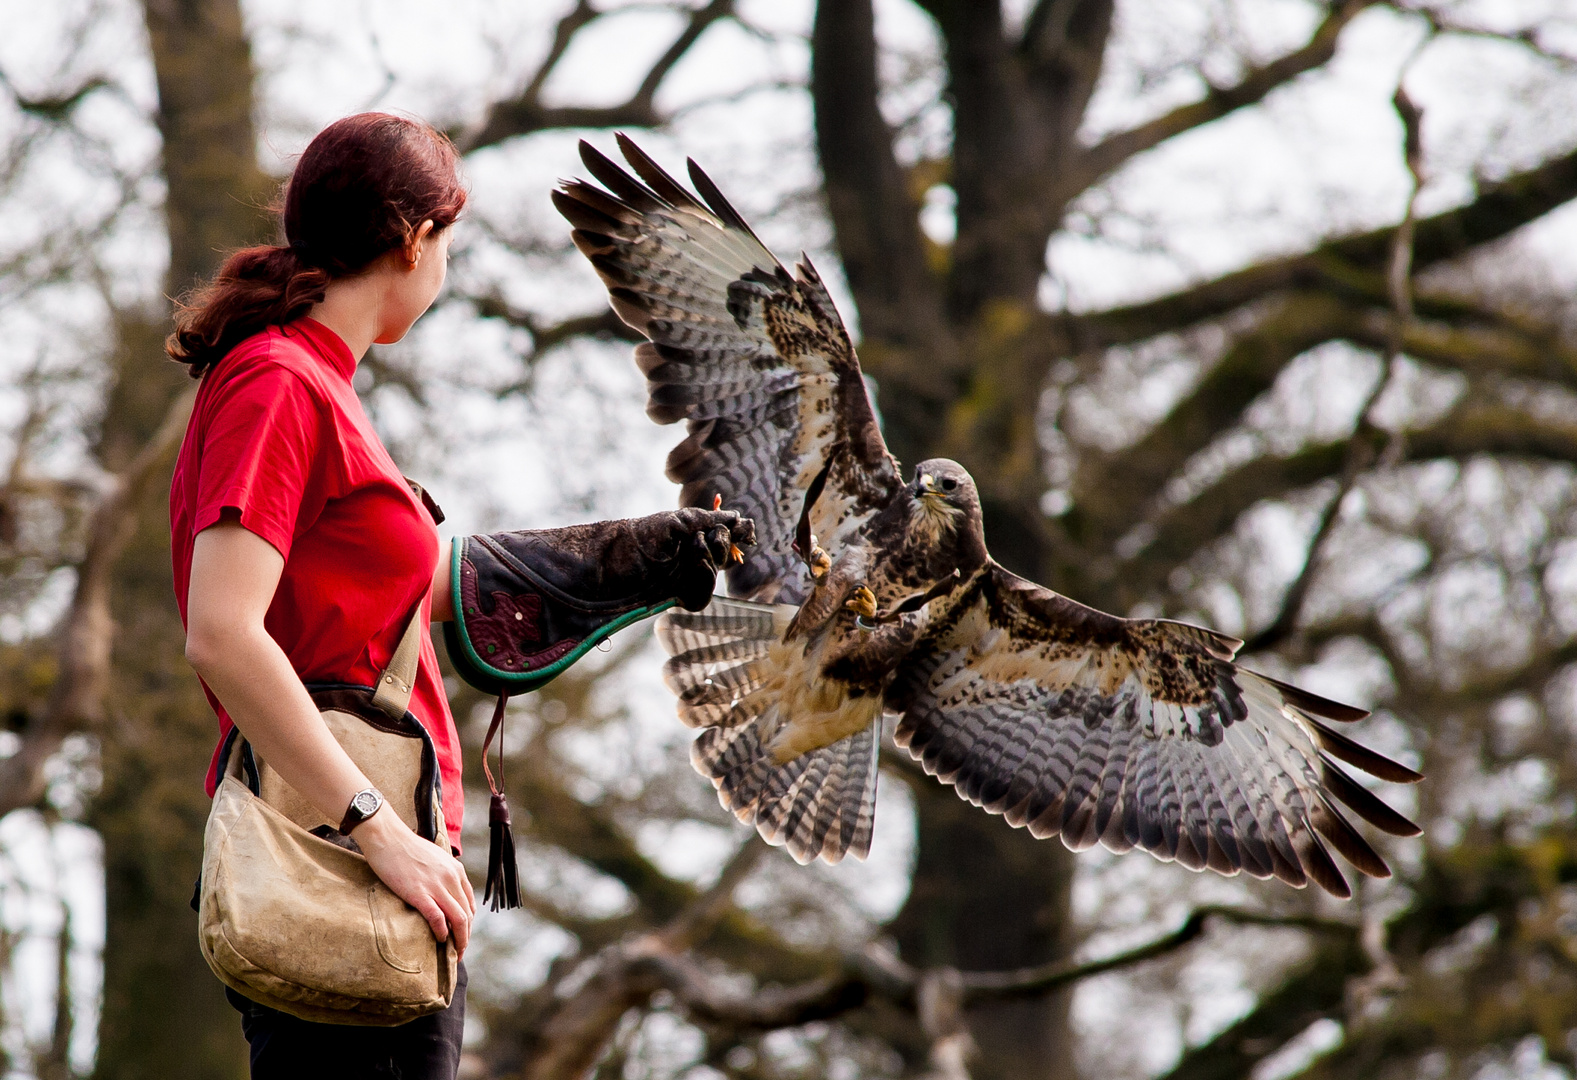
(1063, 719)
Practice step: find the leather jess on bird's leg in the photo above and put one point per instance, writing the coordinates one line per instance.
(531, 602)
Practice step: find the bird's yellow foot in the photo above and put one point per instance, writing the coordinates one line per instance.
(820, 562)
(862, 602)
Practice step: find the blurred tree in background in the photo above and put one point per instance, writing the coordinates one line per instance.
(1193, 374)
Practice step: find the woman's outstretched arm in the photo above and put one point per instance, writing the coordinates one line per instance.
(234, 575)
(441, 593)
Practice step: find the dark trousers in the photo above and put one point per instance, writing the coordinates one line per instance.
(285, 1048)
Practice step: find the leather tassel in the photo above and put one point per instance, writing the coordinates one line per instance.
(503, 879)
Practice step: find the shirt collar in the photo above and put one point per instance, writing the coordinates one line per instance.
(326, 343)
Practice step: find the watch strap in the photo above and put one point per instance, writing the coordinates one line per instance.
(353, 813)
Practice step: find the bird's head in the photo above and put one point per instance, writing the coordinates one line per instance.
(942, 485)
(945, 508)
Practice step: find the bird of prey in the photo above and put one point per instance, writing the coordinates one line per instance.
(868, 595)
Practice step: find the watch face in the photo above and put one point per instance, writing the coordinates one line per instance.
(366, 802)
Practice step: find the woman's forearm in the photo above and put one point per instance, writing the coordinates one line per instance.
(252, 678)
(440, 594)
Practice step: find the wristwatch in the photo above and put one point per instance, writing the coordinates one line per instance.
(363, 805)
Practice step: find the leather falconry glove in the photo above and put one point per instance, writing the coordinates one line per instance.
(531, 602)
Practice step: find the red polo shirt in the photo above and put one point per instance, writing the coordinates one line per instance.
(278, 439)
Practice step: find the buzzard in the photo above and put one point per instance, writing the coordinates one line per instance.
(867, 595)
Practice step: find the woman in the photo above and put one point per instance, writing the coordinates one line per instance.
(299, 550)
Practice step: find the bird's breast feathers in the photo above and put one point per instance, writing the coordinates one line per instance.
(933, 523)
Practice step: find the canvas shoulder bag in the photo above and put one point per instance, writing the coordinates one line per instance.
(290, 914)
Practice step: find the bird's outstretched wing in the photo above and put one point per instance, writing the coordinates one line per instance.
(753, 359)
(1135, 733)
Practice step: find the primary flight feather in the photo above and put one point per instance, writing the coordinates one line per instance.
(868, 595)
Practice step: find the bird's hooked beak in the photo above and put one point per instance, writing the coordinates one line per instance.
(925, 487)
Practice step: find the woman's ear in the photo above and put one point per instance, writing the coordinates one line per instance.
(413, 246)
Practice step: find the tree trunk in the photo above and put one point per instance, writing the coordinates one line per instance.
(165, 1015)
(984, 897)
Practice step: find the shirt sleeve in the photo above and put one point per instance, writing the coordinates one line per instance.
(263, 455)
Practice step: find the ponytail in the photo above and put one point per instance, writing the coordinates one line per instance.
(362, 188)
(256, 287)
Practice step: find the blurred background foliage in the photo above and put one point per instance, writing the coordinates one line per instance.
(1251, 312)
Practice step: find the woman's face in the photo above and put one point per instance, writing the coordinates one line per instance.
(416, 275)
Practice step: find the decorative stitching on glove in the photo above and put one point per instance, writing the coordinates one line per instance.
(503, 635)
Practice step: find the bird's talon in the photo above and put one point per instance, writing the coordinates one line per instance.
(820, 562)
(862, 602)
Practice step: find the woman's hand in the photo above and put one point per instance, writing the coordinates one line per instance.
(421, 873)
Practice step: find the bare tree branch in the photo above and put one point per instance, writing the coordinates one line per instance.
(526, 113)
(564, 32)
(603, 325)
(576, 1033)
(76, 700)
(1499, 208)
(1359, 453)
(701, 916)
(1114, 150)
(1527, 36)
(1474, 428)
(1113, 493)
(870, 974)
(1046, 978)
(55, 108)
(560, 819)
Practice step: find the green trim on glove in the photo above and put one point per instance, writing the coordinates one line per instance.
(489, 679)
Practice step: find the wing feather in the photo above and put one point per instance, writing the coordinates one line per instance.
(754, 359)
(1134, 733)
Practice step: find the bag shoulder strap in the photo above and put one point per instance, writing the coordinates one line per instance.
(393, 694)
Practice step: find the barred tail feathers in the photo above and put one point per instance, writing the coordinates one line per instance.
(736, 760)
(822, 804)
(720, 657)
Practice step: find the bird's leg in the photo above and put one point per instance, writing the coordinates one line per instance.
(862, 602)
(805, 546)
(819, 562)
(831, 585)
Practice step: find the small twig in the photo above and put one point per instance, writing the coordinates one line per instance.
(1043, 979)
(76, 700)
(705, 911)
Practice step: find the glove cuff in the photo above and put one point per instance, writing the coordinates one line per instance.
(527, 606)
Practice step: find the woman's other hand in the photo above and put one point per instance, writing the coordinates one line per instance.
(421, 873)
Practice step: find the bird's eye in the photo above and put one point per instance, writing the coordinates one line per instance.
(948, 484)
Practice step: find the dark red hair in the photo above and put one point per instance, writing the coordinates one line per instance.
(361, 189)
